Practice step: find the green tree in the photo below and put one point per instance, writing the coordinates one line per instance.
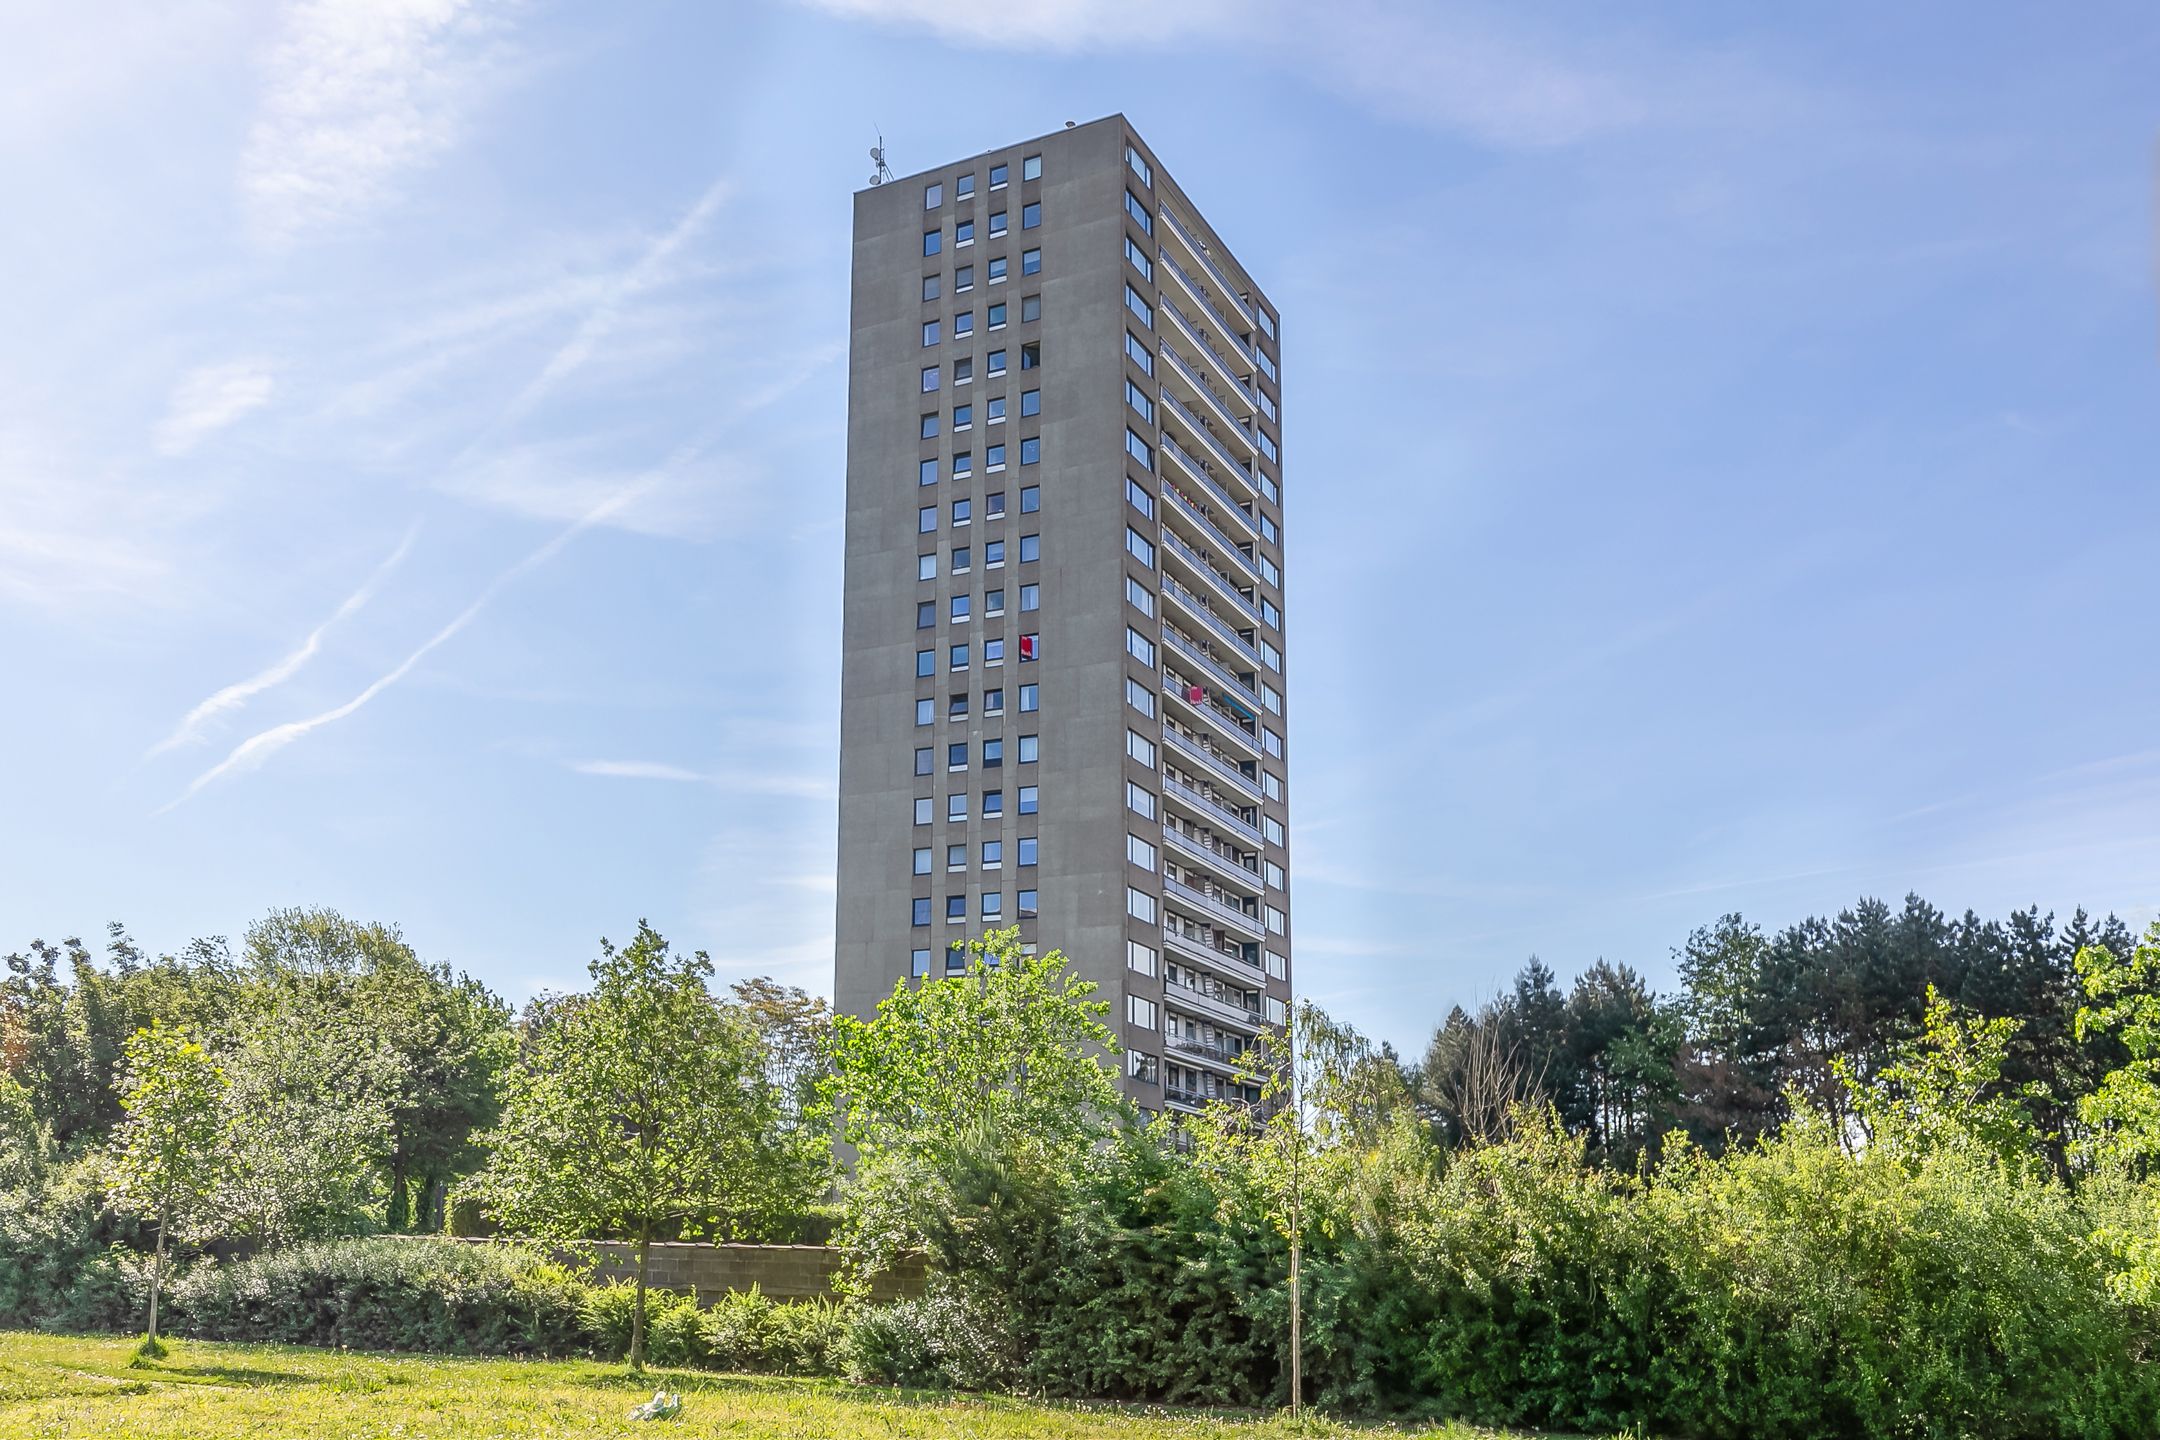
(1945, 1089)
(2124, 1004)
(168, 1150)
(642, 1110)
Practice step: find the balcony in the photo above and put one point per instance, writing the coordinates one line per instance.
(1212, 908)
(1209, 574)
(1192, 651)
(1209, 311)
(1212, 811)
(1194, 467)
(1190, 509)
(1227, 288)
(1200, 952)
(1179, 1096)
(1231, 1061)
(1184, 371)
(1214, 1007)
(1229, 866)
(1219, 763)
(1202, 611)
(1220, 724)
(1239, 388)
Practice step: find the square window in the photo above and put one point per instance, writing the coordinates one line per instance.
(997, 363)
(993, 802)
(993, 754)
(922, 910)
(1030, 597)
(993, 904)
(1030, 403)
(1031, 168)
(925, 663)
(956, 756)
(997, 409)
(956, 907)
(963, 370)
(993, 854)
(925, 614)
(963, 323)
(922, 860)
(957, 707)
(1031, 355)
(1029, 905)
(1027, 799)
(926, 567)
(997, 271)
(957, 659)
(997, 222)
(923, 760)
(960, 607)
(996, 320)
(965, 186)
(1031, 450)
(993, 702)
(929, 332)
(960, 560)
(926, 472)
(1031, 262)
(918, 963)
(955, 961)
(956, 807)
(1030, 308)
(933, 195)
(929, 287)
(1030, 548)
(963, 233)
(994, 502)
(956, 857)
(925, 711)
(930, 426)
(1030, 502)
(932, 242)
(926, 520)
(993, 554)
(963, 279)
(1028, 694)
(997, 177)
(994, 602)
(929, 378)
(1031, 215)
(1027, 850)
(963, 418)
(1030, 648)
(963, 464)
(1028, 749)
(994, 651)
(922, 811)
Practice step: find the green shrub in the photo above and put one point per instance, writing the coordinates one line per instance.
(744, 1330)
(389, 1294)
(674, 1326)
(890, 1345)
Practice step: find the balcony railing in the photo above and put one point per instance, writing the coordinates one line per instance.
(1185, 745)
(1192, 651)
(1207, 307)
(1209, 905)
(1215, 402)
(1179, 1095)
(1208, 855)
(1223, 364)
(1192, 466)
(1224, 631)
(1218, 1054)
(1223, 282)
(1215, 1007)
(1200, 952)
(1221, 582)
(1209, 712)
(1208, 527)
(1217, 813)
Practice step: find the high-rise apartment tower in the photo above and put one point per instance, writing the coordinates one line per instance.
(1063, 697)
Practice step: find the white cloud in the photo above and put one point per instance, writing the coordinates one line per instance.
(233, 696)
(357, 93)
(1036, 24)
(810, 787)
(208, 399)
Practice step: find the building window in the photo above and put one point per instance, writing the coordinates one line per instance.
(993, 754)
(1272, 828)
(993, 603)
(1030, 308)
(1030, 598)
(1139, 647)
(955, 908)
(957, 707)
(964, 186)
(1271, 698)
(1027, 850)
(993, 854)
(1140, 697)
(963, 418)
(956, 757)
(994, 458)
(1140, 1011)
(960, 559)
(1031, 262)
(1140, 905)
(1028, 699)
(997, 270)
(1140, 547)
(1271, 785)
(1271, 657)
(926, 567)
(993, 904)
(955, 858)
(933, 195)
(1140, 353)
(997, 363)
(929, 378)
(925, 614)
(996, 320)
(963, 233)
(1031, 450)
(997, 409)
(1027, 799)
(1138, 399)
(993, 701)
(1140, 748)
(997, 222)
(1271, 742)
(997, 177)
(1139, 213)
(1031, 355)
(1029, 748)
(1030, 549)
(929, 287)
(1140, 451)
(1030, 648)
(1277, 967)
(963, 324)
(1031, 215)
(1030, 403)
(1274, 874)
(929, 333)
(926, 520)
(1274, 919)
(963, 370)
(926, 472)
(1138, 799)
(922, 860)
(1031, 167)
(1139, 258)
(1140, 852)
(994, 651)
(1139, 596)
(925, 663)
(956, 807)
(963, 279)
(922, 811)
(1029, 905)
(993, 802)
(958, 659)
(1139, 307)
(932, 242)
(956, 960)
(1030, 499)
(1139, 167)
(930, 426)
(918, 963)
(922, 910)
(960, 605)
(993, 554)
(925, 711)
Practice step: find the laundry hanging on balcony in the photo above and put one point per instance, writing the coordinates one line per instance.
(1027, 647)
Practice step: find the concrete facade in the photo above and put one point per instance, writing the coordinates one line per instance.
(1109, 499)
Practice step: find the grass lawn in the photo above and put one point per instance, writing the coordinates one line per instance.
(69, 1386)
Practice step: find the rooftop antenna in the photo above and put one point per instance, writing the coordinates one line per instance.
(877, 157)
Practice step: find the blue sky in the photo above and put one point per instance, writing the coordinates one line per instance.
(1723, 458)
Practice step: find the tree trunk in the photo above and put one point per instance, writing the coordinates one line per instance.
(1297, 1327)
(157, 1268)
(637, 1316)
